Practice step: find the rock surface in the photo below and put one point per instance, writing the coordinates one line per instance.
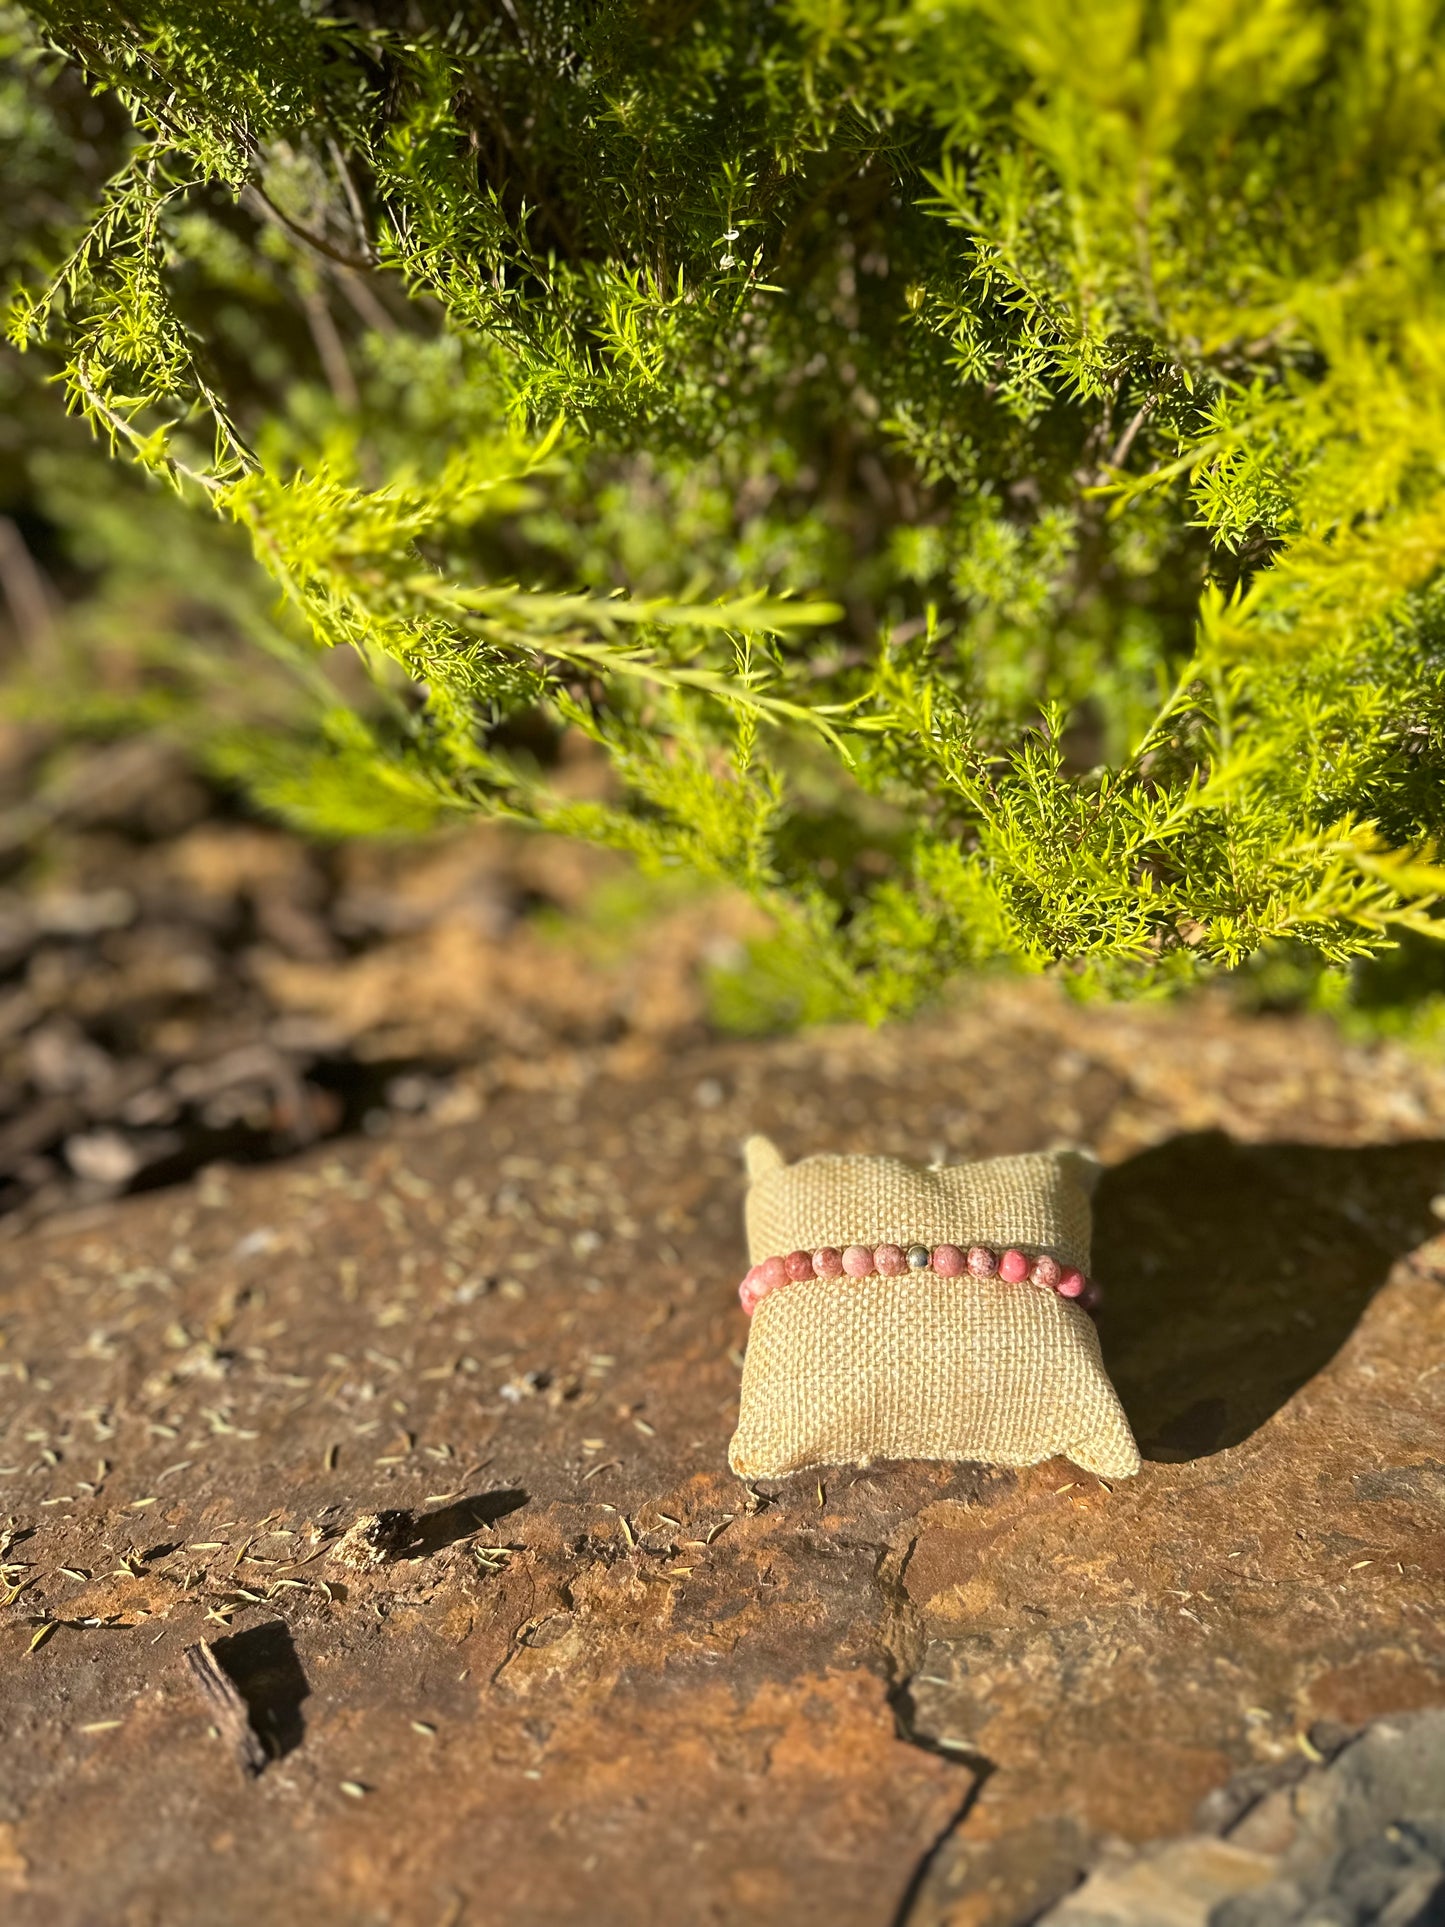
(1355, 1841)
(588, 1676)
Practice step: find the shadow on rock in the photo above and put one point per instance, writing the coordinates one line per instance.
(431, 1531)
(262, 1665)
(1234, 1272)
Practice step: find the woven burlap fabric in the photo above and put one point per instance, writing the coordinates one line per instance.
(1039, 1202)
(840, 1372)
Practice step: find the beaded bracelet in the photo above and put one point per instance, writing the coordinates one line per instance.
(891, 1261)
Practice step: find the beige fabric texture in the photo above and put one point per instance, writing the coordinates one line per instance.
(844, 1371)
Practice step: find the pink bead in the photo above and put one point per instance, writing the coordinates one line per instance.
(1013, 1266)
(981, 1261)
(1071, 1282)
(828, 1263)
(890, 1260)
(800, 1265)
(948, 1261)
(1047, 1271)
(752, 1291)
(772, 1273)
(858, 1261)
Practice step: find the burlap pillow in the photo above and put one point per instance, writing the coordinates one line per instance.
(843, 1370)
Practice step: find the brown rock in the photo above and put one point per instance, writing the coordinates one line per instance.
(605, 1683)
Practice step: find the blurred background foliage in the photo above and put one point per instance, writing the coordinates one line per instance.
(967, 476)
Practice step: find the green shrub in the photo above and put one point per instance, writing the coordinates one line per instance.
(977, 468)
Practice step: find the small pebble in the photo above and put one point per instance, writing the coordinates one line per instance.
(948, 1261)
(981, 1261)
(828, 1263)
(1013, 1266)
(858, 1261)
(890, 1260)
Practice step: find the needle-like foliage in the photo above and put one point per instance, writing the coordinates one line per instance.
(976, 467)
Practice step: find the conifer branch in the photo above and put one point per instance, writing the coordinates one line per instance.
(1073, 386)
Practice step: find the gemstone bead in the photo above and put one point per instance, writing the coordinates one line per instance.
(891, 1261)
(751, 1290)
(772, 1273)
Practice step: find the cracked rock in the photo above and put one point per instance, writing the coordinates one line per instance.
(1357, 1842)
(606, 1684)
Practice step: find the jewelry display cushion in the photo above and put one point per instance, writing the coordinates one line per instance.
(843, 1370)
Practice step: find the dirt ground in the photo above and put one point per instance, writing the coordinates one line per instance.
(180, 983)
(581, 1673)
